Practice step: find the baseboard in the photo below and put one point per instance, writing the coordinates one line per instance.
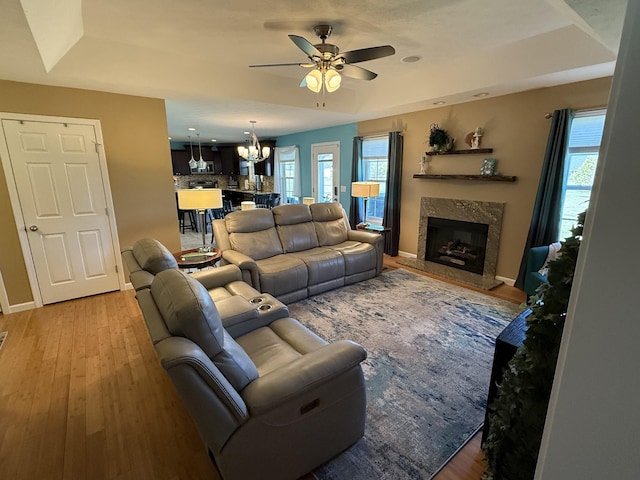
(507, 281)
(21, 307)
(128, 286)
(407, 254)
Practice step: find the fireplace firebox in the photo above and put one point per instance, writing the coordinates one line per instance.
(472, 251)
(455, 243)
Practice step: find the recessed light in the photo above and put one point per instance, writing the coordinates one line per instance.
(480, 95)
(441, 102)
(191, 129)
(411, 59)
(213, 140)
(169, 138)
(247, 133)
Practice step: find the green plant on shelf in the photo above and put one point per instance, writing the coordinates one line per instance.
(438, 137)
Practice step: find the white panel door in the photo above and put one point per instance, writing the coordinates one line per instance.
(325, 168)
(59, 183)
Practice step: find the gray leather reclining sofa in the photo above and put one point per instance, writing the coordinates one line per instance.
(270, 399)
(294, 251)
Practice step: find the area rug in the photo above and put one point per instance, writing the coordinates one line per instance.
(430, 349)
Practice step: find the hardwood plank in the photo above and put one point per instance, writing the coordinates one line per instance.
(111, 411)
(84, 396)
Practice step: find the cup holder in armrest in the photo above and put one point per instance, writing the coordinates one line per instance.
(255, 300)
(264, 307)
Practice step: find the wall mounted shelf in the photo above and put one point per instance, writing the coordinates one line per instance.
(469, 151)
(482, 178)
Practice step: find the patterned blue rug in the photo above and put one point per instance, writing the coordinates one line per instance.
(430, 347)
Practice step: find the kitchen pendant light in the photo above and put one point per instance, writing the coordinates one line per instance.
(192, 163)
(202, 165)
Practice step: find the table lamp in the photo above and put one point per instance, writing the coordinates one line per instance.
(200, 199)
(365, 190)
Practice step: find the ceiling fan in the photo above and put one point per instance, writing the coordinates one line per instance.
(328, 64)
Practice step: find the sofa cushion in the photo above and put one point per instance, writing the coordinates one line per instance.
(291, 214)
(153, 256)
(298, 237)
(358, 257)
(323, 264)
(330, 224)
(253, 233)
(282, 274)
(257, 245)
(188, 311)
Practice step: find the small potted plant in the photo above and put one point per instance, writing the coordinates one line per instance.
(438, 137)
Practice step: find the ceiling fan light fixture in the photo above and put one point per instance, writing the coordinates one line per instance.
(332, 80)
(314, 80)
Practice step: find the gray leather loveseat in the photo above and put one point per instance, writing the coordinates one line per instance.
(294, 251)
(273, 402)
(236, 301)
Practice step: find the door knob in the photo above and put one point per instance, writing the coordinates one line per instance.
(33, 228)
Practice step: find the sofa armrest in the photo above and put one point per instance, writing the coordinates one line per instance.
(374, 239)
(365, 237)
(302, 375)
(246, 264)
(218, 277)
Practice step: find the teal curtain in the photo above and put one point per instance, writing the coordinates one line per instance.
(355, 208)
(392, 198)
(545, 222)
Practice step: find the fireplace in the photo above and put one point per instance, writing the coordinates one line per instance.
(456, 243)
(459, 239)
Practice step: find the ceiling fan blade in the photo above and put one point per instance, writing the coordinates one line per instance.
(306, 46)
(353, 71)
(297, 64)
(364, 54)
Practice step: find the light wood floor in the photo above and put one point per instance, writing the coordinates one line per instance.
(82, 396)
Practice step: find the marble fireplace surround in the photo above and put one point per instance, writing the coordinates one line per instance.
(489, 213)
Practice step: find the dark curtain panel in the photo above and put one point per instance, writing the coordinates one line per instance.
(392, 198)
(544, 228)
(355, 210)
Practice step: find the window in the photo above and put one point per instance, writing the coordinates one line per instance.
(286, 181)
(375, 163)
(585, 134)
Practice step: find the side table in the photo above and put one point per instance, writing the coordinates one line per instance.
(193, 258)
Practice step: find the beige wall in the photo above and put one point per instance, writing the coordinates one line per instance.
(515, 127)
(138, 161)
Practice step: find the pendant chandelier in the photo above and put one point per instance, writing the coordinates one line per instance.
(192, 163)
(202, 165)
(252, 152)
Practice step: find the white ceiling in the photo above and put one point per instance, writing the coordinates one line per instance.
(195, 54)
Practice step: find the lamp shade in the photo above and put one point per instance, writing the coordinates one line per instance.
(365, 189)
(199, 198)
(332, 80)
(314, 80)
(308, 200)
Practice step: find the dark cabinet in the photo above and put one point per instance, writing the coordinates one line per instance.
(266, 166)
(229, 160)
(180, 162)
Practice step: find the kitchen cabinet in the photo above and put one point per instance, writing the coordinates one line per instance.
(180, 162)
(266, 166)
(229, 160)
